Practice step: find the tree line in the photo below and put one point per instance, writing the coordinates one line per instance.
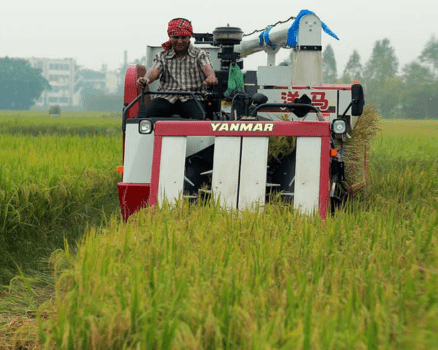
(410, 93)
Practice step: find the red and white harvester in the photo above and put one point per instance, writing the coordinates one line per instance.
(226, 154)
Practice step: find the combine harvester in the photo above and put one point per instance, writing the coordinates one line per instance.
(231, 154)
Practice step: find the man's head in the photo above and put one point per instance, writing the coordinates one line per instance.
(179, 30)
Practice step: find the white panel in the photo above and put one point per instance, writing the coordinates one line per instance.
(173, 158)
(344, 101)
(198, 143)
(307, 174)
(309, 32)
(307, 68)
(138, 155)
(276, 76)
(253, 171)
(225, 179)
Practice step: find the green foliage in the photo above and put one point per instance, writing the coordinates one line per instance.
(415, 75)
(430, 53)
(391, 97)
(382, 64)
(21, 85)
(421, 102)
(329, 69)
(353, 70)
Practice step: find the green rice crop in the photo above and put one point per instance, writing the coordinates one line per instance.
(51, 183)
(33, 123)
(199, 277)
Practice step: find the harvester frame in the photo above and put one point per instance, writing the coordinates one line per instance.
(169, 158)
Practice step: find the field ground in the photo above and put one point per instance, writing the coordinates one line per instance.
(197, 277)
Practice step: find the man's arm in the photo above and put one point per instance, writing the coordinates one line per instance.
(150, 76)
(209, 74)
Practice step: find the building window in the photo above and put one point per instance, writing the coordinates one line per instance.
(53, 99)
(56, 66)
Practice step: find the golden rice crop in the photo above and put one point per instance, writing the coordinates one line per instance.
(199, 277)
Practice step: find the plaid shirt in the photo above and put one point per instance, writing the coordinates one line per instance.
(181, 74)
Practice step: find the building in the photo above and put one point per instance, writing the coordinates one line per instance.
(69, 83)
(61, 75)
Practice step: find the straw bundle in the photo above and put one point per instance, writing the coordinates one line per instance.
(357, 147)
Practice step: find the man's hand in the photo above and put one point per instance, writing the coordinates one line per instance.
(142, 82)
(211, 80)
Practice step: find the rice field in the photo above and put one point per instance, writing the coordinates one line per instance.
(198, 277)
(53, 176)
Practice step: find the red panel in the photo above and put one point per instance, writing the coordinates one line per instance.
(132, 198)
(133, 72)
(333, 87)
(324, 178)
(205, 128)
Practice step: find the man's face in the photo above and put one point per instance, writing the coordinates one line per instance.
(180, 43)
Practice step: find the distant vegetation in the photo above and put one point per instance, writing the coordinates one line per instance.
(411, 93)
(21, 85)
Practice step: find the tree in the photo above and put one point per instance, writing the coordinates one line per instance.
(391, 97)
(353, 70)
(430, 53)
(422, 102)
(21, 85)
(414, 75)
(420, 92)
(329, 70)
(383, 64)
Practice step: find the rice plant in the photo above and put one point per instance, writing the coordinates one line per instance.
(199, 277)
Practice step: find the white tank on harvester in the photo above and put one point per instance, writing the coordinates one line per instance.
(277, 130)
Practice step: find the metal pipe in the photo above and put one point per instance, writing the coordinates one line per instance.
(277, 38)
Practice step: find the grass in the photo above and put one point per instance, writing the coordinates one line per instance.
(198, 277)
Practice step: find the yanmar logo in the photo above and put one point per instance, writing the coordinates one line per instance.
(242, 127)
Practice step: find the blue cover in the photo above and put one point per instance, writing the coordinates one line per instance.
(293, 30)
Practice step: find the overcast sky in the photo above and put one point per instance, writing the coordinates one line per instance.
(96, 32)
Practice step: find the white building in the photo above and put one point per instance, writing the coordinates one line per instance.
(68, 81)
(61, 74)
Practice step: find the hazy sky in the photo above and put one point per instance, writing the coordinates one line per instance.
(97, 32)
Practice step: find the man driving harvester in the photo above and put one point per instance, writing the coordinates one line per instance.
(181, 67)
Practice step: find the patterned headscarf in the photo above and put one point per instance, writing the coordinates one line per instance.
(177, 27)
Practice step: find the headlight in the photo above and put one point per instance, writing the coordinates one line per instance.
(339, 126)
(145, 127)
